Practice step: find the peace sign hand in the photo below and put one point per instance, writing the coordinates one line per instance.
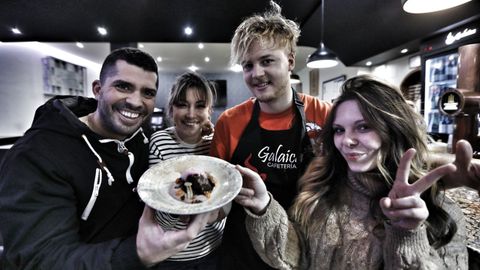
(403, 206)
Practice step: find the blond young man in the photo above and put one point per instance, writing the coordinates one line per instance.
(270, 133)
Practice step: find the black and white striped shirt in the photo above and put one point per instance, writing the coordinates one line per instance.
(166, 144)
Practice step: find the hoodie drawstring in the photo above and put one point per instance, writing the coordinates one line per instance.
(93, 197)
(99, 160)
(98, 172)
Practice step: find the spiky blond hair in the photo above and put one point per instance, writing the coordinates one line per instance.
(271, 29)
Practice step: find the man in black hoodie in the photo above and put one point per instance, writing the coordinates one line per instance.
(67, 187)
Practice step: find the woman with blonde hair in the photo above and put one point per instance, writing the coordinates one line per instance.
(190, 106)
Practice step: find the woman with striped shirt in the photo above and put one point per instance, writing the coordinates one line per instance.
(190, 107)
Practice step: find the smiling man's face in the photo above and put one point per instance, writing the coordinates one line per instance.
(125, 100)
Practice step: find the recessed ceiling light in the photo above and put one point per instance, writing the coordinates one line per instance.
(188, 30)
(79, 45)
(193, 68)
(16, 31)
(236, 68)
(404, 50)
(207, 59)
(424, 6)
(140, 45)
(159, 59)
(200, 46)
(102, 31)
(369, 63)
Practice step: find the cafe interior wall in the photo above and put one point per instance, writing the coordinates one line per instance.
(21, 83)
(393, 71)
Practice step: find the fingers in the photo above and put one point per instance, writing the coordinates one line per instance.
(247, 172)
(197, 224)
(245, 201)
(404, 166)
(463, 153)
(252, 181)
(248, 192)
(408, 212)
(405, 203)
(430, 178)
(244, 198)
(386, 203)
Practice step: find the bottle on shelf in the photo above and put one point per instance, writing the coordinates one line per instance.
(451, 72)
(434, 70)
(442, 126)
(433, 122)
(442, 69)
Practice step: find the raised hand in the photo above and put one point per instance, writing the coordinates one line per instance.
(254, 193)
(468, 169)
(403, 206)
(155, 245)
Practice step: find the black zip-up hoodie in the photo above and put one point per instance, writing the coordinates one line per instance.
(67, 196)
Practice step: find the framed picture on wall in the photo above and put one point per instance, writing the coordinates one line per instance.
(63, 78)
(331, 88)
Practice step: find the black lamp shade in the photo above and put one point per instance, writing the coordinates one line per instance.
(322, 58)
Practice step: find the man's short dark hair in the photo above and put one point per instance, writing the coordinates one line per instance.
(132, 56)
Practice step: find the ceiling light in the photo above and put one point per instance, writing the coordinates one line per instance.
(140, 45)
(79, 45)
(236, 68)
(369, 63)
(193, 68)
(188, 30)
(102, 31)
(404, 50)
(426, 6)
(322, 58)
(16, 31)
(159, 59)
(207, 59)
(200, 46)
(294, 79)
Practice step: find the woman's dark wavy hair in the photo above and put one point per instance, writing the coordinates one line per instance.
(400, 128)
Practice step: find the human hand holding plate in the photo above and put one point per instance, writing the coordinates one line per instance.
(156, 185)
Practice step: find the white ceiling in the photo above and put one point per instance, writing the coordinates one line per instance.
(176, 57)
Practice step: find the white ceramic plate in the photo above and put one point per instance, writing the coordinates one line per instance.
(156, 184)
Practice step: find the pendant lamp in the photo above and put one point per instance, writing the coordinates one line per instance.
(322, 57)
(426, 6)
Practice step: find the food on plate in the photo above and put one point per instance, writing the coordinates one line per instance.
(194, 186)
